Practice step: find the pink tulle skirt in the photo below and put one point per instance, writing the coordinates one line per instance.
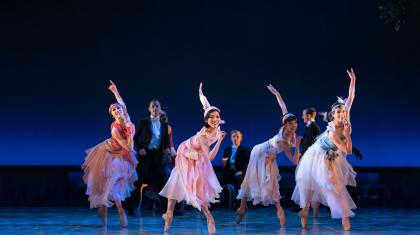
(193, 179)
(109, 176)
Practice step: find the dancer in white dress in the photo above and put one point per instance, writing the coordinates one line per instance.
(261, 181)
(324, 172)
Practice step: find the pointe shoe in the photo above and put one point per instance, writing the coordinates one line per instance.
(168, 216)
(240, 215)
(123, 218)
(103, 211)
(281, 216)
(303, 214)
(346, 223)
(211, 226)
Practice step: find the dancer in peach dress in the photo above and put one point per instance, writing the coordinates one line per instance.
(193, 178)
(110, 167)
(261, 182)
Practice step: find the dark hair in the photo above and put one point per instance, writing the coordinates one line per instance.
(154, 101)
(235, 131)
(334, 107)
(311, 111)
(289, 119)
(207, 117)
(113, 105)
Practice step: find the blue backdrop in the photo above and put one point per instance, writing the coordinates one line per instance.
(57, 59)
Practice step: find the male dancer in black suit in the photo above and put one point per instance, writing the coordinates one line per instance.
(151, 140)
(312, 129)
(235, 160)
(311, 132)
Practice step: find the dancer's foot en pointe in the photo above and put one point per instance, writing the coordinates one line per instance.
(346, 223)
(281, 216)
(303, 214)
(103, 211)
(211, 226)
(168, 216)
(123, 218)
(240, 214)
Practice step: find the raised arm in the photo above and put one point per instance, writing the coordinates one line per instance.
(279, 99)
(352, 89)
(114, 90)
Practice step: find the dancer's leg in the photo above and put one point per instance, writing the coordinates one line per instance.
(168, 216)
(280, 214)
(211, 227)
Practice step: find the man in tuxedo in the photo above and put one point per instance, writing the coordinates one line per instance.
(312, 129)
(311, 132)
(235, 160)
(151, 140)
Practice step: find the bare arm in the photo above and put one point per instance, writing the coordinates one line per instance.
(278, 97)
(293, 158)
(213, 152)
(352, 90)
(127, 144)
(117, 95)
(345, 146)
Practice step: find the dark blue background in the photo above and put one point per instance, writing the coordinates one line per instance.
(56, 60)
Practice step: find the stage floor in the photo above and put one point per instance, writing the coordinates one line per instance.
(258, 221)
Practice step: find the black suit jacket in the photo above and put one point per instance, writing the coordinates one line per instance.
(143, 134)
(311, 132)
(241, 158)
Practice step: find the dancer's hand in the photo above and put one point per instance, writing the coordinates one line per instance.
(142, 152)
(346, 130)
(238, 173)
(273, 90)
(113, 87)
(351, 74)
(222, 135)
(298, 140)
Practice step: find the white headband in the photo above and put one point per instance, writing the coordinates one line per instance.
(286, 116)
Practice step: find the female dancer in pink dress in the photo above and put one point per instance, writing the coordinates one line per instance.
(193, 178)
(110, 167)
(261, 182)
(324, 172)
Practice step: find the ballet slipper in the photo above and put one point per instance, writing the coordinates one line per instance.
(240, 215)
(346, 223)
(168, 216)
(123, 218)
(103, 211)
(303, 214)
(211, 226)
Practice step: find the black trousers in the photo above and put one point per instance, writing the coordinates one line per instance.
(150, 171)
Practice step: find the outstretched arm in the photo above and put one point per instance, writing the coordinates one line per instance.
(352, 89)
(113, 89)
(293, 158)
(279, 99)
